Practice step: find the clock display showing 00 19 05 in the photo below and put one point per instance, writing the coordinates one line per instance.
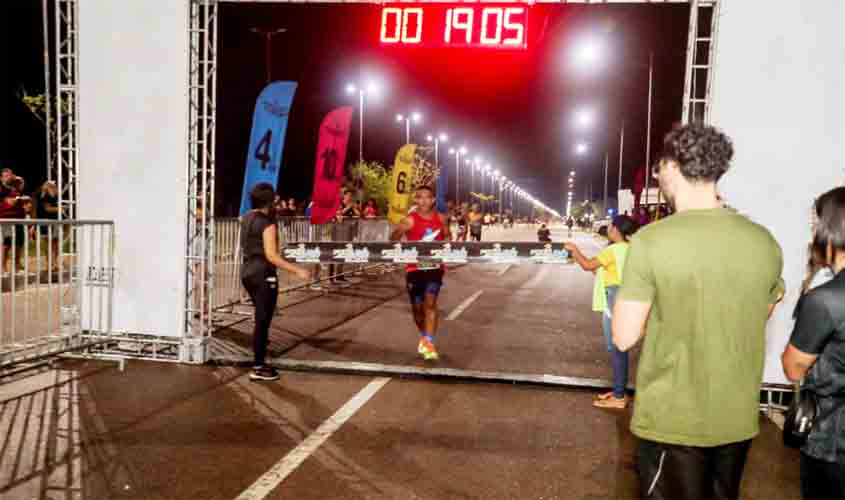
(490, 25)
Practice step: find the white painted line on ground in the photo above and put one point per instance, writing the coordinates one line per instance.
(505, 269)
(274, 477)
(463, 306)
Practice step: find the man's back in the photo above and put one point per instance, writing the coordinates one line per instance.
(710, 275)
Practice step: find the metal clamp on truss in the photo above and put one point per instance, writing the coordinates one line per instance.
(420, 252)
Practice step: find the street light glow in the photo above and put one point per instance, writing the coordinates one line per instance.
(588, 52)
(581, 148)
(443, 137)
(416, 116)
(429, 138)
(350, 88)
(399, 118)
(451, 151)
(372, 88)
(463, 150)
(584, 118)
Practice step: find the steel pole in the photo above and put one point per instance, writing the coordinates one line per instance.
(621, 151)
(604, 203)
(361, 125)
(648, 125)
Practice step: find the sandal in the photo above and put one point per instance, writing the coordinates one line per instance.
(611, 403)
(604, 396)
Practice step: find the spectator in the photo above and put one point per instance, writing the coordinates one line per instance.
(293, 208)
(642, 218)
(699, 376)
(345, 230)
(371, 211)
(47, 208)
(609, 267)
(14, 206)
(815, 352)
(6, 176)
(544, 235)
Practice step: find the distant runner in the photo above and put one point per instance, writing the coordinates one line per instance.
(475, 221)
(424, 280)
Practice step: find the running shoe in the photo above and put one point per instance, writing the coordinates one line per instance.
(267, 373)
(427, 350)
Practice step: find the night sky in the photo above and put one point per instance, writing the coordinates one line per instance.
(515, 107)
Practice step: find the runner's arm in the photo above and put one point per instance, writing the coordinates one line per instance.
(629, 319)
(446, 226)
(403, 227)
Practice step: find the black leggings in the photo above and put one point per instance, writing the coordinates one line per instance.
(821, 480)
(690, 472)
(264, 292)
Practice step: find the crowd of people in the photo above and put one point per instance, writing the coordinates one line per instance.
(43, 203)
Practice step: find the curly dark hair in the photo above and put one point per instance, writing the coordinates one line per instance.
(703, 153)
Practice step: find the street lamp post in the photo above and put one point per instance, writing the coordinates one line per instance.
(268, 47)
(589, 54)
(416, 117)
(361, 90)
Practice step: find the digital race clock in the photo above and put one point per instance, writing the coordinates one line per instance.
(493, 25)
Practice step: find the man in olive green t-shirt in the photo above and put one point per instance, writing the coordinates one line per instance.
(702, 284)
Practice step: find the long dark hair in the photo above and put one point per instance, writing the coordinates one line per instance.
(830, 228)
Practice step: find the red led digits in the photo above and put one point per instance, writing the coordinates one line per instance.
(432, 25)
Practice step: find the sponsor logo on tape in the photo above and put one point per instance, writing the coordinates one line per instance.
(399, 255)
(449, 255)
(547, 255)
(350, 255)
(303, 254)
(498, 255)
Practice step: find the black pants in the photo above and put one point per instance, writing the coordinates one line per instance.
(689, 472)
(821, 480)
(264, 292)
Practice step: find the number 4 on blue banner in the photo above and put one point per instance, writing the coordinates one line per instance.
(266, 143)
(262, 151)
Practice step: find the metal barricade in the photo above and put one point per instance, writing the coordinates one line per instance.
(56, 289)
(228, 290)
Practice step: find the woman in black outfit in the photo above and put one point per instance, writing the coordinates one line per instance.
(816, 353)
(260, 247)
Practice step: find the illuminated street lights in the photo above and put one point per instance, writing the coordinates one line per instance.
(458, 152)
(372, 89)
(415, 117)
(437, 139)
(589, 54)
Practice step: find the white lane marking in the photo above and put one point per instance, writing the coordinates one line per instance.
(271, 479)
(505, 269)
(463, 306)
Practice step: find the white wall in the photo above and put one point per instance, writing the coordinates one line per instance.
(133, 62)
(779, 92)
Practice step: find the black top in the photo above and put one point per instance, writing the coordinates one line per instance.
(820, 329)
(45, 201)
(255, 263)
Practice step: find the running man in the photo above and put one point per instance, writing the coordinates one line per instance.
(424, 280)
(475, 221)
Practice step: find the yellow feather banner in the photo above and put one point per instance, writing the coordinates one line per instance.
(400, 188)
